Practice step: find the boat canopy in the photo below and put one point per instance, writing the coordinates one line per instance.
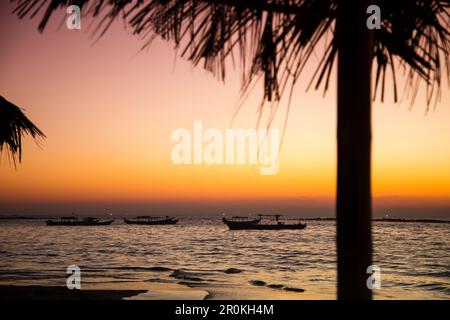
(152, 217)
(240, 217)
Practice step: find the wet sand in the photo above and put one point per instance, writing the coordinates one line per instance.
(9, 292)
(157, 291)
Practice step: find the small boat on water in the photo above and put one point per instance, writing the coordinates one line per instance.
(247, 224)
(151, 220)
(75, 221)
(237, 222)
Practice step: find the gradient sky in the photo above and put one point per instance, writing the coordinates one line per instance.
(108, 111)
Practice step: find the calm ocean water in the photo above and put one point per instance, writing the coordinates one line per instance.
(414, 258)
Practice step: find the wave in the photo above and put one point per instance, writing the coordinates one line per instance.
(260, 283)
(232, 270)
(184, 275)
(154, 269)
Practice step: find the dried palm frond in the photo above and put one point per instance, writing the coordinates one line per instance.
(13, 126)
(276, 38)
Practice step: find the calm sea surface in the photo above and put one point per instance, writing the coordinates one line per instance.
(194, 254)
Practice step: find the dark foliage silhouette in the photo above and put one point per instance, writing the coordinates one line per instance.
(13, 126)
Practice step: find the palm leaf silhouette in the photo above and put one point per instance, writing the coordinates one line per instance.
(276, 39)
(13, 126)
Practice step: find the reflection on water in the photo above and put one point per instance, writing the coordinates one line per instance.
(200, 253)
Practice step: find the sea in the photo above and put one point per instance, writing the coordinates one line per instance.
(199, 258)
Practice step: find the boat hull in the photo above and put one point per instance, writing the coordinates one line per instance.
(234, 225)
(150, 223)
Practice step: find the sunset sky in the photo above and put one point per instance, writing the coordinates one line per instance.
(108, 111)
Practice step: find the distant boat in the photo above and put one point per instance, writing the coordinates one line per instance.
(237, 222)
(75, 221)
(151, 220)
(241, 224)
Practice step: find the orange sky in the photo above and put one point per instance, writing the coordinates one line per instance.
(108, 111)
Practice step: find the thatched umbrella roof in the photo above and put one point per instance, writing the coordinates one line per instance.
(14, 124)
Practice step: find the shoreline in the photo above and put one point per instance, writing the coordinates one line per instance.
(37, 292)
(158, 292)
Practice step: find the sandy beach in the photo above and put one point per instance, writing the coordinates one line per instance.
(155, 292)
(10, 292)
